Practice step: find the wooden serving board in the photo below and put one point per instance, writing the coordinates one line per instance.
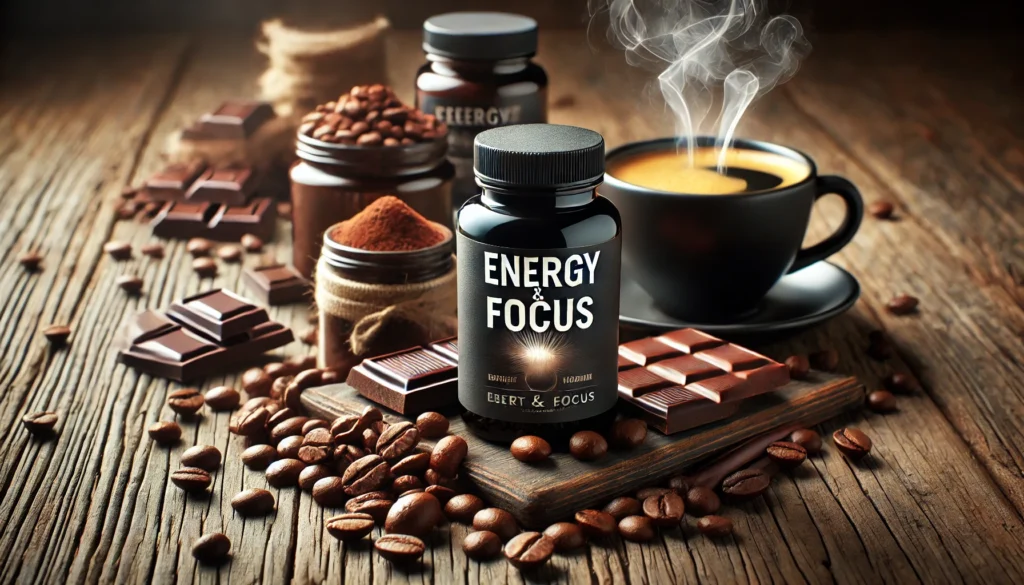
(541, 494)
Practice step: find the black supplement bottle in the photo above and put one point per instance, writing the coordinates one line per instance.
(538, 255)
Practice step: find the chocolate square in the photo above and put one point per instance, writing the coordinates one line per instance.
(638, 381)
(689, 340)
(277, 284)
(218, 314)
(675, 409)
(646, 351)
(732, 358)
(230, 186)
(684, 369)
(408, 382)
(171, 183)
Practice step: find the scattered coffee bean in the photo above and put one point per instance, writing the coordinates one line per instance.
(350, 526)
(40, 424)
(628, 433)
(405, 483)
(497, 521)
(648, 492)
(251, 243)
(30, 261)
(587, 446)
(223, 398)
(259, 456)
(288, 448)
(191, 479)
(414, 464)
(277, 369)
(596, 524)
(463, 508)
(312, 474)
(852, 442)
(637, 528)
(345, 455)
(301, 363)
(481, 545)
(281, 416)
(366, 474)
(211, 549)
(442, 493)
(313, 424)
(529, 550)
(432, 425)
(284, 472)
(348, 430)
(447, 456)
(434, 477)
(623, 506)
(799, 366)
(787, 454)
(199, 247)
(316, 447)
(129, 283)
(253, 502)
(746, 484)
(256, 382)
(57, 335)
(202, 456)
(153, 250)
(715, 526)
(665, 510)
(566, 536)
(879, 347)
(229, 254)
(118, 250)
(329, 492)
(882, 401)
(205, 267)
(899, 383)
(397, 441)
(289, 427)
(308, 378)
(701, 501)
(370, 438)
(165, 432)
(415, 514)
(902, 304)
(809, 439)
(399, 548)
(680, 484)
(254, 422)
(186, 401)
(881, 209)
(530, 449)
(376, 504)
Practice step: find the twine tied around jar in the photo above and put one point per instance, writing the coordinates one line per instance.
(369, 307)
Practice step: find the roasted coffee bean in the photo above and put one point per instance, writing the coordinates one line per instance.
(665, 510)
(202, 456)
(826, 360)
(313, 424)
(153, 250)
(809, 439)
(624, 506)
(301, 363)
(643, 494)
(852, 442)
(882, 401)
(379, 426)
(432, 425)
(191, 479)
(376, 504)
(57, 335)
(256, 382)
(497, 521)
(223, 398)
(628, 433)
(254, 422)
(253, 502)
(463, 508)
(799, 366)
(566, 536)
(400, 549)
(370, 415)
(529, 550)
(329, 492)
(348, 430)
(448, 455)
(404, 483)
(434, 477)
(367, 474)
(288, 448)
(881, 209)
(211, 549)
(344, 455)
(715, 526)
(118, 250)
(899, 383)
(40, 423)
(415, 514)
(636, 528)
(596, 524)
(284, 472)
(251, 243)
(198, 247)
(530, 449)
(165, 432)
(786, 454)
(331, 377)
(746, 484)
(312, 474)
(129, 283)
(229, 253)
(481, 545)
(186, 401)
(350, 526)
(902, 304)
(278, 370)
(701, 501)
(205, 267)
(316, 447)
(370, 438)
(442, 493)
(409, 492)
(398, 440)
(288, 428)
(587, 446)
(680, 484)
(281, 415)
(304, 380)
(30, 261)
(259, 456)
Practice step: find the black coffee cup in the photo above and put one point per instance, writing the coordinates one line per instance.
(712, 258)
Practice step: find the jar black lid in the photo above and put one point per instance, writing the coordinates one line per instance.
(483, 36)
(541, 156)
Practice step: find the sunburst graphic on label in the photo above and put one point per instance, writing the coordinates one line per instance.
(538, 356)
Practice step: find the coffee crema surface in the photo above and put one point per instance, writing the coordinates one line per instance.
(747, 171)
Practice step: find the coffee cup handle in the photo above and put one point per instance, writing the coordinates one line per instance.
(828, 185)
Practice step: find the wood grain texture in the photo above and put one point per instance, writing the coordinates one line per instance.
(928, 122)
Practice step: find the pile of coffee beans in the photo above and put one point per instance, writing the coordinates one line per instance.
(371, 116)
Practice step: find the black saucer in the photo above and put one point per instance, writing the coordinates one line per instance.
(798, 301)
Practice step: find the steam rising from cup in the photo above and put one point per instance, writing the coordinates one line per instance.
(705, 49)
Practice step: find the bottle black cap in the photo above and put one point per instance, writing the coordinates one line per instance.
(540, 156)
(482, 36)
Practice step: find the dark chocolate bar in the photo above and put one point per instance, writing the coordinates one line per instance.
(410, 381)
(171, 183)
(276, 284)
(676, 408)
(230, 186)
(180, 350)
(223, 223)
(233, 120)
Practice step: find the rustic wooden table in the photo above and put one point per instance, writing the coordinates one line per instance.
(932, 123)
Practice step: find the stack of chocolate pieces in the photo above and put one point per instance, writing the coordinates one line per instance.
(200, 336)
(411, 381)
(687, 378)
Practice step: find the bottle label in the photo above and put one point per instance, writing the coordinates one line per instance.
(465, 119)
(538, 331)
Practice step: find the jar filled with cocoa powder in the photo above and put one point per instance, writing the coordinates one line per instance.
(363, 146)
(385, 281)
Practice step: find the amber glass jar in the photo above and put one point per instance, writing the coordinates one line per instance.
(333, 182)
(479, 75)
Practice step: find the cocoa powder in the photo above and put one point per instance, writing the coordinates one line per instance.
(387, 225)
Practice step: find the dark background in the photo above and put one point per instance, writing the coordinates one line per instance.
(22, 17)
